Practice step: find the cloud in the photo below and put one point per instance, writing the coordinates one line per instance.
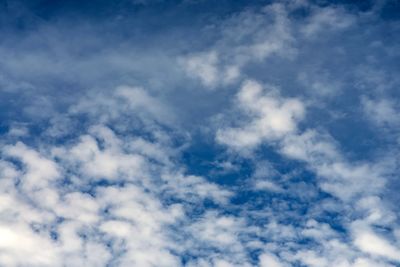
(371, 243)
(20, 246)
(68, 198)
(330, 18)
(268, 260)
(345, 180)
(112, 154)
(381, 112)
(272, 117)
(206, 67)
(258, 35)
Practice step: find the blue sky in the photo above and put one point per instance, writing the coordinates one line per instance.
(199, 133)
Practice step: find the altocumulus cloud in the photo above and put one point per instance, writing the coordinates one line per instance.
(191, 133)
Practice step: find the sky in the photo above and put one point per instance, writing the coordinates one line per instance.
(199, 133)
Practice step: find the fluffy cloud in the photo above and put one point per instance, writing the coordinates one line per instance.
(375, 245)
(271, 117)
(100, 196)
(112, 154)
(269, 260)
(273, 120)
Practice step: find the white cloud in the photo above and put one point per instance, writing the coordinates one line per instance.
(217, 230)
(365, 262)
(348, 181)
(124, 101)
(208, 68)
(341, 178)
(20, 246)
(53, 212)
(382, 112)
(104, 183)
(271, 117)
(39, 170)
(327, 18)
(133, 231)
(109, 163)
(269, 260)
(18, 130)
(268, 186)
(257, 36)
(191, 188)
(371, 243)
(204, 66)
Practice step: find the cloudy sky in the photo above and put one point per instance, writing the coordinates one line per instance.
(199, 133)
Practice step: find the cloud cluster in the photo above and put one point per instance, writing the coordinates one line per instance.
(247, 134)
(245, 38)
(101, 199)
(271, 117)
